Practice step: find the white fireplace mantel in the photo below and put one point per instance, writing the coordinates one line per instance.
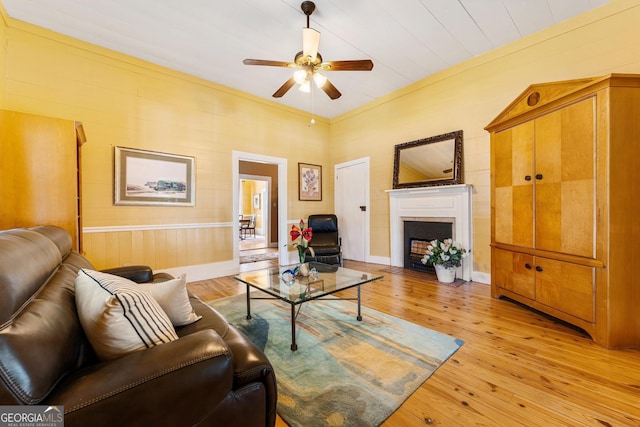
(447, 202)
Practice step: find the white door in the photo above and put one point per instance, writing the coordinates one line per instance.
(352, 207)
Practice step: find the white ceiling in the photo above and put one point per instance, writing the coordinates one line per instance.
(407, 40)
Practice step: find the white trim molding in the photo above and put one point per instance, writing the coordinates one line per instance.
(119, 228)
(204, 271)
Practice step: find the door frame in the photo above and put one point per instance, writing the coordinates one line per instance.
(236, 157)
(367, 198)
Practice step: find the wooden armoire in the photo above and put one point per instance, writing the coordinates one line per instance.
(40, 172)
(565, 205)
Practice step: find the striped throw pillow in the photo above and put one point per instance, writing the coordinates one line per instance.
(118, 317)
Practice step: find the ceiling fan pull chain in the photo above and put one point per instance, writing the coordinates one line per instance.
(313, 121)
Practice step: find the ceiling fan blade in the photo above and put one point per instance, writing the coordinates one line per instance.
(353, 65)
(310, 43)
(268, 63)
(331, 90)
(284, 88)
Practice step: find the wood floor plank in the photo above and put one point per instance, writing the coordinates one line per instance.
(517, 366)
(535, 384)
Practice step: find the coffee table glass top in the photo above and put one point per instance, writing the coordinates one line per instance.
(331, 278)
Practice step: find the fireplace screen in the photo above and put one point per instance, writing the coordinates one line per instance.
(417, 236)
(417, 250)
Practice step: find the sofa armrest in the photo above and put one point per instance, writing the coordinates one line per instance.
(136, 273)
(250, 363)
(171, 384)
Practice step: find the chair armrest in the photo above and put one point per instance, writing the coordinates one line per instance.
(136, 273)
(171, 384)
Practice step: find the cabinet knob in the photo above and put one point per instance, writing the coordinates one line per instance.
(538, 268)
(539, 176)
(527, 178)
(527, 266)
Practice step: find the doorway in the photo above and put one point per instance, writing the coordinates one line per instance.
(278, 234)
(255, 211)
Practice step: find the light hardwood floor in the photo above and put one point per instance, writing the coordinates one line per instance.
(517, 367)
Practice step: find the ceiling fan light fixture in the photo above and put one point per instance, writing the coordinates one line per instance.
(300, 76)
(305, 86)
(319, 79)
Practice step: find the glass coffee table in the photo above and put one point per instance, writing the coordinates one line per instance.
(296, 290)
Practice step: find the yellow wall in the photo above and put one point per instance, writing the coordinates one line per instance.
(131, 103)
(3, 56)
(127, 102)
(468, 96)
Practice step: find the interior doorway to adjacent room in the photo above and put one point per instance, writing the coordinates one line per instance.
(270, 203)
(254, 207)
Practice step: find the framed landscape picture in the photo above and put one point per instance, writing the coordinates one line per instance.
(151, 178)
(309, 182)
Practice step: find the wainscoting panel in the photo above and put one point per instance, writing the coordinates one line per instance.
(159, 246)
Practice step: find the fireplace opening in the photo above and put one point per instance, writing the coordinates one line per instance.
(417, 235)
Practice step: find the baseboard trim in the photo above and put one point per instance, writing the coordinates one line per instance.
(205, 271)
(229, 268)
(379, 260)
(480, 277)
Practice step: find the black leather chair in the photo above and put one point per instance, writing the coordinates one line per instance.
(326, 242)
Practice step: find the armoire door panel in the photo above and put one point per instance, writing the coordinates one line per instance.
(564, 168)
(514, 215)
(522, 137)
(578, 141)
(514, 272)
(578, 218)
(502, 159)
(513, 163)
(522, 213)
(548, 148)
(566, 287)
(503, 215)
(548, 216)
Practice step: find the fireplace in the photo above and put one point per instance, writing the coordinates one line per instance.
(417, 235)
(448, 205)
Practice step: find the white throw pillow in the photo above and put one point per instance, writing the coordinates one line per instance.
(118, 317)
(173, 298)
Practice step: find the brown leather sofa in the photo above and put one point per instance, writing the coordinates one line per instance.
(211, 375)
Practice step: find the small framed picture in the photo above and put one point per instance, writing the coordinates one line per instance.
(309, 182)
(256, 201)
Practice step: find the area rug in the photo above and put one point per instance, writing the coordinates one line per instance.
(345, 372)
(244, 259)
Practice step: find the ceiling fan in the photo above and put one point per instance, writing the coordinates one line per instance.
(309, 62)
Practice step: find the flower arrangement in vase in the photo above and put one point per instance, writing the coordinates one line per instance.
(301, 237)
(446, 256)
